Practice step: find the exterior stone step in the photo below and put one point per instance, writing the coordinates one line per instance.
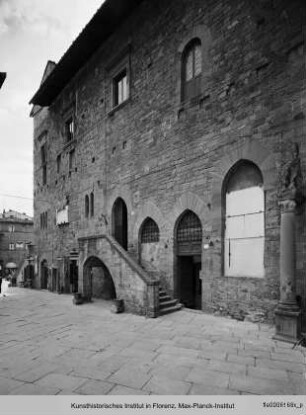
(171, 309)
(164, 297)
(167, 303)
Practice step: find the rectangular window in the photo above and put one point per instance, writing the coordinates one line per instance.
(69, 126)
(71, 159)
(44, 220)
(120, 88)
(43, 155)
(11, 247)
(11, 228)
(58, 163)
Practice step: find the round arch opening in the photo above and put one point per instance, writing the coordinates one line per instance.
(98, 282)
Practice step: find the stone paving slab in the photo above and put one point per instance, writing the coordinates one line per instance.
(160, 385)
(132, 377)
(56, 380)
(260, 386)
(94, 387)
(124, 390)
(50, 346)
(208, 377)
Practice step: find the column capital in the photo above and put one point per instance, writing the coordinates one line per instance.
(287, 206)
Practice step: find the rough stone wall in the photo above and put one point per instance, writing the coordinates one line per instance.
(129, 286)
(159, 152)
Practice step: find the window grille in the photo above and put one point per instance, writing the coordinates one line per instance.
(189, 228)
(150, 232)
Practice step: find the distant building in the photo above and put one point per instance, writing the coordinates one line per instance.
(169, 152)
(2, 78)
(16, 236)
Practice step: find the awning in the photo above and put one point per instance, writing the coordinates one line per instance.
(11, 265)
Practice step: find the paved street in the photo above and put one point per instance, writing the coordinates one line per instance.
(50, 346)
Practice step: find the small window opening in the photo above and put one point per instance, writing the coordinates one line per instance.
(120, 88)
(86, 206)
(71, 159)
(92, 204)
(69, 130)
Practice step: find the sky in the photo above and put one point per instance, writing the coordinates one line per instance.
(31, 33)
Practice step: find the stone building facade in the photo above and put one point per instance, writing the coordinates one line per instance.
(16, 234)
(164, 141)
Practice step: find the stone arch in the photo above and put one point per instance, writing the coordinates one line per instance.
(189, 201)
(97, 280)
(123, 194)
(149, 209)
(243, 204)
(248, 151)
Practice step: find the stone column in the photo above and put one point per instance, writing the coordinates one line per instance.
(287, 314)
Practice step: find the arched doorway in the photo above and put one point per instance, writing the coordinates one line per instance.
(98, 282)
(243, 221)
(44, 275)
(188, 249)
(120, 223)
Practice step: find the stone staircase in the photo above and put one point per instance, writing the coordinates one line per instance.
(167, 304)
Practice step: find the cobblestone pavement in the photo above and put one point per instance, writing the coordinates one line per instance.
(48, 346)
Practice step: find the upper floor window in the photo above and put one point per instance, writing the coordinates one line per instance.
(86, 206)
(120, 85)
(44, 220)
(69, 129)
(43, 155)
(92, 204)
(191, 70)
(58, 163)
(11, 228)
(11, 246)
(71, 159)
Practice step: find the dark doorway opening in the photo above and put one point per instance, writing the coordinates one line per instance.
(190, 287)
(74, 276)
(188, 247)
(98, 282)
(120, 223)
(44, 275)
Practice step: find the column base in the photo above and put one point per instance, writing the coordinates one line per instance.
(288, 325)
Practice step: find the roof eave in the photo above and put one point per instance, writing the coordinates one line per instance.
(100, 27)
